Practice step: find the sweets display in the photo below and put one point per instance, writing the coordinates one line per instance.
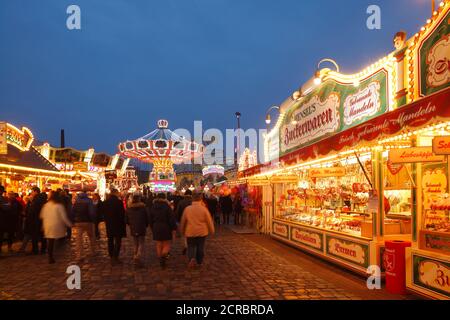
(328, 219)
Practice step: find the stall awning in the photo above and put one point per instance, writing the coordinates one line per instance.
(426, 111)
(27, 162)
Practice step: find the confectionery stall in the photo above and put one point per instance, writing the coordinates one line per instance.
(21, 166)
(356, 160)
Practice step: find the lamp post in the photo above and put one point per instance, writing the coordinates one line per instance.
(238, 117)
(317, 74)
(268, 118)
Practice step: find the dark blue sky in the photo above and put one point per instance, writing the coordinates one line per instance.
(136, 61)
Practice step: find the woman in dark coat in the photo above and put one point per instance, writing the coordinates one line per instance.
(114, 215)
(163, 223)
(33, 223)
(10, 220)
(136, 217)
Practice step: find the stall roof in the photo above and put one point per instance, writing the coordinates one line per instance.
(426, 111)
(29, 159)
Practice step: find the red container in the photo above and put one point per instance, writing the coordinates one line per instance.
(394, 264)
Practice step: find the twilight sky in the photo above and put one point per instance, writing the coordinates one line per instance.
(136, 61)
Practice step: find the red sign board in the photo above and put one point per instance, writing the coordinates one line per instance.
(441, 145)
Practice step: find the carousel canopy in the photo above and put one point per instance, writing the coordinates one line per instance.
(161, 143)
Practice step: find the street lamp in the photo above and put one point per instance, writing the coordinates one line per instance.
(318, 75)
(268, 118)
(238, 117)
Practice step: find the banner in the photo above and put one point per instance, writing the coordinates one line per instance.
(332, 108)
(327, 172)
(434, 59)
(414, 155)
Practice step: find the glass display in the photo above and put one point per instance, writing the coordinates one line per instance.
(436, 199)
(337, 204)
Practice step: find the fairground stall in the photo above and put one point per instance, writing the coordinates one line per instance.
(350, 165)
(21, 166)
(86, 169)
(163, 148)
(428, 60)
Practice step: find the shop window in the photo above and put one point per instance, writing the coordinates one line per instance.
(337, 203)
(397, 198)
(435, 226)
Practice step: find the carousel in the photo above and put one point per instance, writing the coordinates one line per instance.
(163, 148)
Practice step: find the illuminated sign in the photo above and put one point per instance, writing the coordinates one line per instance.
(19, 138)
(327, 172)
(414, 155)
(213, 170)
(441, 145)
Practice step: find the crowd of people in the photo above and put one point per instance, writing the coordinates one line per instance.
(54, 218)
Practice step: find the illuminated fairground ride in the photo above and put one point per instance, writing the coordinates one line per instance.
(163, 148)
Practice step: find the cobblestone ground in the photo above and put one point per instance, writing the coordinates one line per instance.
(235, 268)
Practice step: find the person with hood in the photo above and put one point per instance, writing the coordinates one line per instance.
(114, 216)
(137, 219)
(196, 225)
(163, 223)
(55, 222)
(33, 223)
(83, 216)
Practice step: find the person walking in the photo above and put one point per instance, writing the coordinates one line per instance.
(4, 216)
(163, 224)
(66, 198)
(237, 206)
(114, 216)
(226, 206)
(54, 221)
(196, 225)
(33, 223)
(137, 219)
(183, 204)
(10, 221)
(83, 215)
(98, 206)
(212, 204)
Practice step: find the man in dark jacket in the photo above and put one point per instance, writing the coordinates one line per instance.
(10, 221)
(136, 217)
(4, 210)
(212, 203)
(67, 202)
(114, 215)
(187, 201)
(98, 205)
(163, 223)
(226, 206)
(183, 204)
(33, 223)
(83, 216)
